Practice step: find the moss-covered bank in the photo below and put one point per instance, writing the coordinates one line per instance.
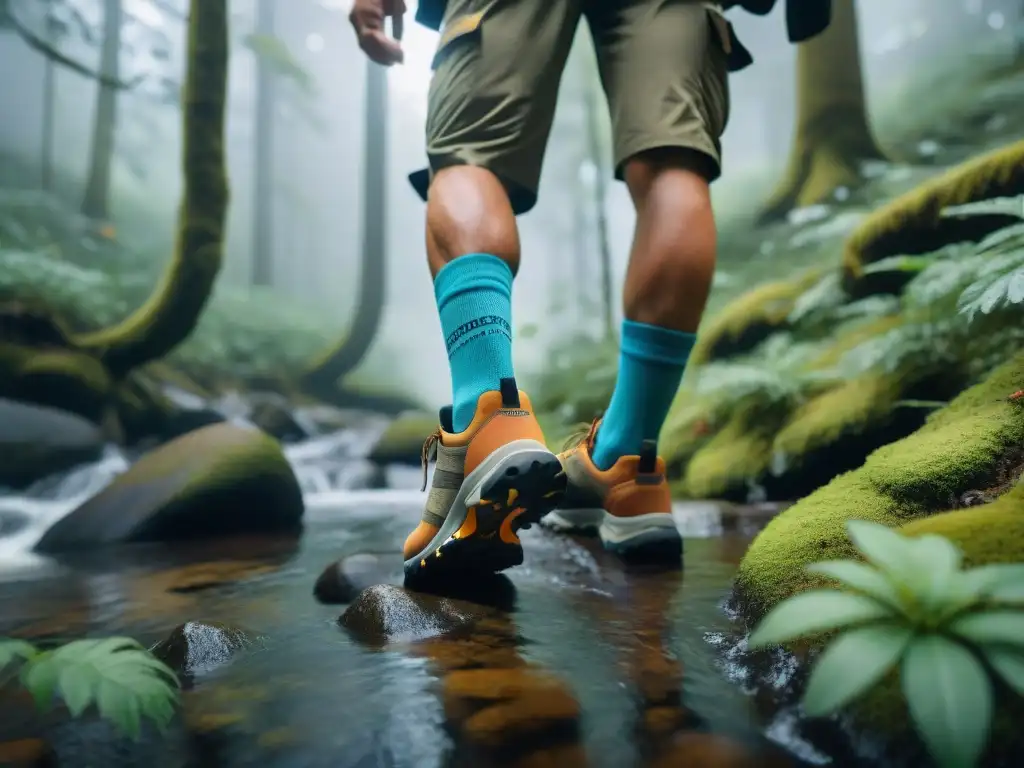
(959, 449)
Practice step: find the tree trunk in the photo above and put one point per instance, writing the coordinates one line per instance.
(49, 105)
(600, 203)
(263, 156)
(173, 310)
(322, 379)
(95, 203)
(832, 134)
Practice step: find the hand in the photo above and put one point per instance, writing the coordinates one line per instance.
(367, 19)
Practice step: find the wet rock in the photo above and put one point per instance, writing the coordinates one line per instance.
(519, 707)
(37, 441)
(182, 421)
(198, 646)
(273, 414)
(402, 441)
(385, 614)
(27, 753)
(342, 581)
(216, 481)
(693, 748)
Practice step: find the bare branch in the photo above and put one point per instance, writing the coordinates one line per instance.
(38, 44)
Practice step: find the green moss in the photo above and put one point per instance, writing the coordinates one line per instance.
(912, 222)
(993, 533)
(58, 378)
(809, 531)
(958, 446)
(750, 318)
(851, 408)
(733, 458)
(402, 441)
(911, 478)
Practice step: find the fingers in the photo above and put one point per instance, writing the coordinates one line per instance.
(367, 18)
(380, 48)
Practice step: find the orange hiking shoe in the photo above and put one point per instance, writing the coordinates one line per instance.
(491, 480)
(628, 504)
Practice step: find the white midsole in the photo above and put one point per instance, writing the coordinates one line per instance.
(574, 519)
(619, 529)
(470, 492)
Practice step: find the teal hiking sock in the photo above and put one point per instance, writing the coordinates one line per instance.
(651, 365)
(474, 300)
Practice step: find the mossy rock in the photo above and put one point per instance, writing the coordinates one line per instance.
(60, 378)
(958, 449)
(219, 480)
(913, 223)
(750, 319)
(37, 441)
(402, 442)
(736, 457)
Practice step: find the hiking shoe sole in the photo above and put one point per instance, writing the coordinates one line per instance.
(652, 538)
(512, 489)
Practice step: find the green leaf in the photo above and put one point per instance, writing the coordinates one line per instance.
(118, 675)
(852, 664)
(937, 561)
(860, 577)
(39, 677)
(1008, 664)
(812, 612)
(949, 697)
(888, 550)
(1008, 592)
(15, 650)
(991, 628)
(996, 206)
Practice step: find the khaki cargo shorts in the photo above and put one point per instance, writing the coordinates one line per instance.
(499, 62)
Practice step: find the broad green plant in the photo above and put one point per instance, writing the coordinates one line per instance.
(122, 680)
(950, 631)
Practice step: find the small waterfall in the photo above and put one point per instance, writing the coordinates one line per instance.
(329, 467)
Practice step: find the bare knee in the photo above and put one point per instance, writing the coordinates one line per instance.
(673, 258)
(468, 211)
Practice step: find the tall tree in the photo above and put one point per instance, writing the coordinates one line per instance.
(49, 106)
(263, 154)
(96, 201)
(832, 135)
(171, 313)
(322, 379)
(593, 100)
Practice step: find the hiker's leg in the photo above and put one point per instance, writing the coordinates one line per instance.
(490, 114)
(664, 69)
(488, 120)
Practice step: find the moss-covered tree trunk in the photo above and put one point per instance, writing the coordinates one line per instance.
(832, 135)
(322, 378)
(95, 202)
(263, 155)
(173, 310)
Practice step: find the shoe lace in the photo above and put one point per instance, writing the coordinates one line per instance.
(429, 453)
(583, 434)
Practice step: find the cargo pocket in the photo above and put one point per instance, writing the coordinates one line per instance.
(737, 56)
